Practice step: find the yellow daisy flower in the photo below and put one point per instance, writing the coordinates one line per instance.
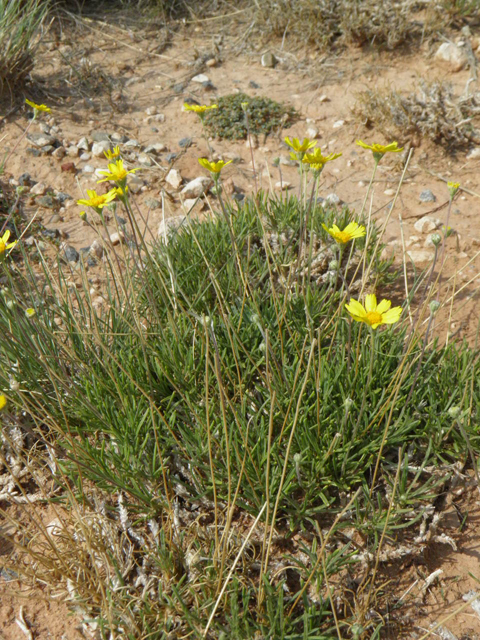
(351, 231)
(97, 201)
(3, 242)
(453, 187)
(117, 173)
(3, 402)
(379, 150)
(198, 108)
(300, 147)
(213, 167)
(110, 155)
(317, 161)
(38, 107)
(373, 314)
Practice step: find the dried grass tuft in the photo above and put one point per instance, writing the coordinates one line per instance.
(432, 111)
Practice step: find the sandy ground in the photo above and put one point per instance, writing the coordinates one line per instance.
(129, 79)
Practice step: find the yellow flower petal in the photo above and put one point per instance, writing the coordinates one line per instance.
(383, 306)
(371, 302)
(392, 315)
(355, 308)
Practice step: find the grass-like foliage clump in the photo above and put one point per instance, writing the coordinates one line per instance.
(265, 116)
(223, 423)
(432, 111)
(19, 25)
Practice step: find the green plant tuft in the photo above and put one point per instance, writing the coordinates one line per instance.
(264, 116)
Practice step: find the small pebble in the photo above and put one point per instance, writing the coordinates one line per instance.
(427, 196)
(200, 78)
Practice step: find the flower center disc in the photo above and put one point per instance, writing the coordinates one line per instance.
(373, 317)
(343, 237)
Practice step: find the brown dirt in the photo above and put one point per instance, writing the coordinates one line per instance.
(141, 79)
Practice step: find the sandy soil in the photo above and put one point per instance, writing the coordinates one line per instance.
(125, 74)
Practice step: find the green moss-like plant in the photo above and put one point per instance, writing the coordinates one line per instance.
(264, 116)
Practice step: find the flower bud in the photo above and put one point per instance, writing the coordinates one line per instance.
(454, 412)
(436, 238)
(434, 307)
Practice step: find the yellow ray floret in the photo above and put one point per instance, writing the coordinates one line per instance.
(300, 146)
(116, 172)
(380, 149)
(38, 107)
(373, 314)
(213, 167)
(198, 108)
(110, 155)
(317, 161)
(351, 231)
(96, 200)
(4, 240)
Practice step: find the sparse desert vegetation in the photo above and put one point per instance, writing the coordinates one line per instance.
(239, 392)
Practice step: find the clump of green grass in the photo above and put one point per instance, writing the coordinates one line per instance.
(432, 111)
(222, 431)
(19, 26)
(265, 116)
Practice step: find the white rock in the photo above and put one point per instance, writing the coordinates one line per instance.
(144, 158)
(473, 153)
(132, 144)
(170, 225)
(387, 253)
(174, 178)
(151, 111)
(86, 156)
(55, 527)
(117, 238)
(59, 152)
(200, 78)
(99, 148)
(425, 224)
(389, 192)
(158, 147)
(96, 248)
(338, 124)
(282, 185)
(193, 202)
(454, 56)
(98, 301)
(159, 117)
(73, 151)
(313, 133)
(38, 189)
(420, 255)
(83, 144)
(324, 98)
(197, 187)
(211, 62)
(332, 198)
(251, 142)
(135, 184)
(89, 169)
